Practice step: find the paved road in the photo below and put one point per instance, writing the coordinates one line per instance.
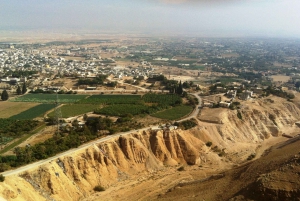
(84, 146)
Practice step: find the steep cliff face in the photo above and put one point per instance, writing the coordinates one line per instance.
(260, 120)
(74, 177)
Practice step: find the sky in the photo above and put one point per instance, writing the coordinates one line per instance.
(267, 18)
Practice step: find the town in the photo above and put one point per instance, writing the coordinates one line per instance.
(237, 67)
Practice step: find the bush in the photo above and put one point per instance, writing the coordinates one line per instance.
(2, 178)
(99, 188)
(181, 168)
(208, 144)
(251, 157)
(239, 115)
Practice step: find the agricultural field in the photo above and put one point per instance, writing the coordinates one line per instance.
(34, 112)
(49, 98)
(75, 109)
(8, 109)
(164, 99)
(122, 110)
(111, 99)
(174, 113)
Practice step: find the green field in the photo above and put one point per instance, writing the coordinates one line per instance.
(123, 109)
(75, 109)
(111, 99)
(174, 113)
(163, 99)
(49, 98)
(34, 112)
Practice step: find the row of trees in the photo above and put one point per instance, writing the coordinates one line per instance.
(5, 96)
(23, 90)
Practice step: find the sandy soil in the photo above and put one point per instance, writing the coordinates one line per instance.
(240, 181)
(151, 185)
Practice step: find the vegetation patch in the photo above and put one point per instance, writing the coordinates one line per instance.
(181, 168)
(22, 139)
(99, 188)
(165, 99)
(251, 156)
(174, 112)
(112, 99)
(8, 109)
(2, 178)
(74, 110)
(122, 109)
(185, 125)
(34, 112)
(11, 129)
(208, 144)
(239, 115)
(49, 98)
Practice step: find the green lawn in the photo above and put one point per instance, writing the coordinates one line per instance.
(75, 109)
(174, 113)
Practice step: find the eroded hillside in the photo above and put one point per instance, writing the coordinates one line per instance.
(143, 165)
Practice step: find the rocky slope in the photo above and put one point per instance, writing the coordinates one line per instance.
(120, 159)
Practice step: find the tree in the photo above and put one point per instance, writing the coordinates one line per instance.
(2, 178)
(179, 89)
(24, 88)
(4, 95)
(19, 92)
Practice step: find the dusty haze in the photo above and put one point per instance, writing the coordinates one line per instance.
(174, 17)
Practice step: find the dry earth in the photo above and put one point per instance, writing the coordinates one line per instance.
(146, 165)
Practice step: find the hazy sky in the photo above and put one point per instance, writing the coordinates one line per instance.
(190, 17)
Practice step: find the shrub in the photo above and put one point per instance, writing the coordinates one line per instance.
(251, 157)
(239, 115)
(99, 188)
(180, 168)
(2, 178)
(208, 144)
